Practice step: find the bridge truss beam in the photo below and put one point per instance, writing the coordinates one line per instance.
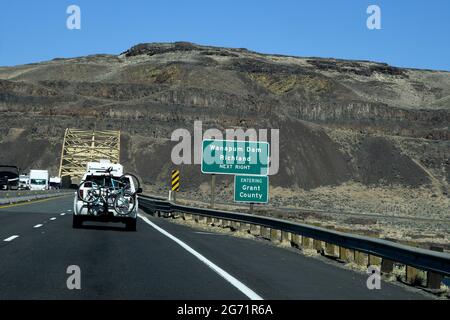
(83, 146)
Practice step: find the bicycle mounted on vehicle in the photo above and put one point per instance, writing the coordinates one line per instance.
(100, 193)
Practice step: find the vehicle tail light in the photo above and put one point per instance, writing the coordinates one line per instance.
(81, 194)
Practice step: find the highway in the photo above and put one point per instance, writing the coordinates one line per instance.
(162, 260)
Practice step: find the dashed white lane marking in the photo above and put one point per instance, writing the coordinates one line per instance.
(11, 238)
(228, 277)
(53, 218)
(69, 210)
(62, 214)
(38, 225)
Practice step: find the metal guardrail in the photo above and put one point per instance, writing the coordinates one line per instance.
(436, 262)
(7, 197)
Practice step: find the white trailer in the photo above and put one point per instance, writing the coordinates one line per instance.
(39, 179)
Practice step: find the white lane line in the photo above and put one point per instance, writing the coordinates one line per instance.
(38, 225)
(209, 233)
(11, 238)
(53, 218)
(228, 277)
(69, 210)
(62, 214)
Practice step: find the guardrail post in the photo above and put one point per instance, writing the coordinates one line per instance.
(434, 279)
(374, 260)
(286, 236)
(387, 266)
(295, 240)
(306, 243)
(329, 249)
(226, 223)
(411, 275)
(254, 229)
(244, 227)
(317, 245)
(360, 258)
(343, 254)
(274, 236)
(264, 232)
(261, 231)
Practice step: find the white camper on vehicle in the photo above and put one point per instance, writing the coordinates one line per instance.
(38, 179)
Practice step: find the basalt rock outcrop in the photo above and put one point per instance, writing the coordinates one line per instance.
(339, 120)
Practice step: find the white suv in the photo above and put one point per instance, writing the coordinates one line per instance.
(106, 194)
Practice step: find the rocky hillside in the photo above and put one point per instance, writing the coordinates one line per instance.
(340, 121)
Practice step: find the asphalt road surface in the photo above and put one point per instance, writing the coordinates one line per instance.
(162, 260)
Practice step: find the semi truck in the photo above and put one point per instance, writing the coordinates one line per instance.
(39, 179)
(9, 178)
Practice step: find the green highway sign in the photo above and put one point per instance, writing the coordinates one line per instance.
(235, 157)
(253, 189)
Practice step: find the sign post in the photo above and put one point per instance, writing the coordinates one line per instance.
(213, 190)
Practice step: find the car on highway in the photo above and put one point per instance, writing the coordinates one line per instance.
(9, 177)
(106, 194)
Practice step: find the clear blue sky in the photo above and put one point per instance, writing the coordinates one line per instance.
(415, 33)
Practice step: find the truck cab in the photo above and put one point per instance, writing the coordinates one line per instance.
(103, 176)
(9, 178)
(38, 179)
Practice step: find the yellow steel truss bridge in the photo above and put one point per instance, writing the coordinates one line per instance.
(83, 146)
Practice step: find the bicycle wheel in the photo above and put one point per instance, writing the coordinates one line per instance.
(128, 177)
(124, 203)
(88, 192)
